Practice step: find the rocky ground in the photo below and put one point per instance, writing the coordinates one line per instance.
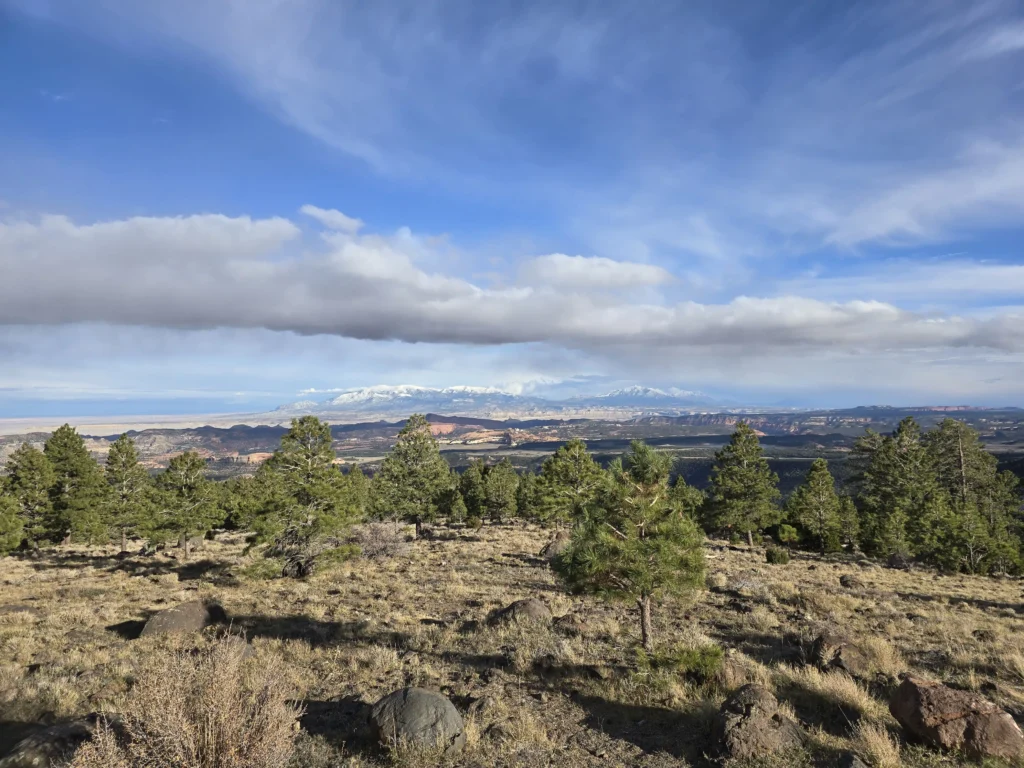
(571, 692)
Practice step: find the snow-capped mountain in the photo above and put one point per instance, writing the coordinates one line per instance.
(388, 401)
(403, 399)
(410, 393)
(643, 397)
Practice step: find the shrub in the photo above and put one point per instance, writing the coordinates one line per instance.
(699, 664)
(474, 523)
(776, 556)
(381, 541)
(211, 709)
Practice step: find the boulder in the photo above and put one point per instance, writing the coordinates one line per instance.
(529, 611)
(899, 561)
(48, 745)
(192, 616)
(834, 650)
(557, 545)
(956, 720)
(850, 760)
(749, 726)
(851, 582)
(572, 624)
(417, 717)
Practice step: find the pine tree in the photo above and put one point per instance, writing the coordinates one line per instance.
(526, 496)
(904, 507)
(30, 478)
(980, 534)
(500, 485)
(130, 508)
(358, 490)
(569, 484)
(188, 500)
(690, 499)
(12, 527)
(744, 491)
(815, 506)
(639, 547)
(413, 476)
(472, 489)
(304, 498)
(849, 523)
(79, 491)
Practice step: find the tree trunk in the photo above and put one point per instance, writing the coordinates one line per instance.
(646, 633)
(750, 539)
(188, 548)
(418, 529)
(124, 540)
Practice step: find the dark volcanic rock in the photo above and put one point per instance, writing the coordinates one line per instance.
(556, 546)
(192, 616)
(956, 720)
(834, 650)
(417, 717)
(529, 611)
(749, 726)
(48, 745)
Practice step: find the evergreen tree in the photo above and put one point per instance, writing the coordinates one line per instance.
(306, 499)
(526, 496)
(472, 489)
(358, 490)
(569, 484)
(454, 507)
(744, 491)
(450, 504)
(12, 527)
(130, 508)
(187, 500)
(79, 491)
(413, 477)
(981, 532)
(690, 499)
(849, 523)
(501, 484)
(639, 547)
(30, 478)
(904, 507)
(815, 506)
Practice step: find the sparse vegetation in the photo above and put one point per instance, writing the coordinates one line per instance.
(414, 611)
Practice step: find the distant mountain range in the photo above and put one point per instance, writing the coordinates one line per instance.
(402, 400)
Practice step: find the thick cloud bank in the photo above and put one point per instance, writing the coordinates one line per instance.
(212, 271)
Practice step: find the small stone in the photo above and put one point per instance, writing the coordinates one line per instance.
(851, 582)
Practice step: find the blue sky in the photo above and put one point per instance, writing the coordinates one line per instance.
(215, 206)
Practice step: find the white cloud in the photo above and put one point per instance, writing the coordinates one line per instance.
(333, 219)
(209, 271)
(590, 272)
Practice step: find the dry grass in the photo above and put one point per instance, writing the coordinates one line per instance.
(877, 746)
(210, 709)
(359, 629)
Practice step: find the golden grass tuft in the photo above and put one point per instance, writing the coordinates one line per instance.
(877, 745)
